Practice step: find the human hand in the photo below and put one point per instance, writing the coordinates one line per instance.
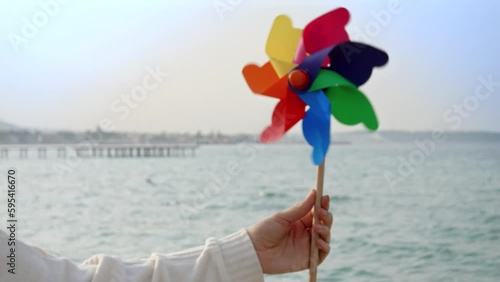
(283, 240)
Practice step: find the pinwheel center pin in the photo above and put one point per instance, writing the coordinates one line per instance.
(299, 79)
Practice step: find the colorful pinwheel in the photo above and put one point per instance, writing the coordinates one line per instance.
(318, 67)
(321, 68)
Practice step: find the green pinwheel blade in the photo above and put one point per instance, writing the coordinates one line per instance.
(350, 106)
(327, 78)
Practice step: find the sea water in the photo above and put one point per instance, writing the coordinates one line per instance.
(399, 215)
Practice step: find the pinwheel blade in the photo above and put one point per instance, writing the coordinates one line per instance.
(311, 65)
(259, 79)
(350, 107)
(355, 61)
(282, 43)
(327, 78)
(286, 114)
(318, 67)
(264, 80)
(316, 124)
(324, 31)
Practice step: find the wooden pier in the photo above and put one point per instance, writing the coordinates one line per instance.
(100, 150)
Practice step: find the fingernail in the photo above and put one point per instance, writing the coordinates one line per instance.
(324, 212)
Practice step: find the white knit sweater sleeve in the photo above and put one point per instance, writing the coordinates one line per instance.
(229, 259)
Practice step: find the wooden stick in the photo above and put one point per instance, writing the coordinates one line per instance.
(314, 256)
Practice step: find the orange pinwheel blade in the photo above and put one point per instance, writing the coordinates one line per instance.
(264, 80)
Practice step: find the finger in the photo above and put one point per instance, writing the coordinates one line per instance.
(298, 211)
(325, 202)
(307, 220)
(326, 217)
(323, 231)
(324, 249)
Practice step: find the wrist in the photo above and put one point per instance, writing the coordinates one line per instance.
(260, 251)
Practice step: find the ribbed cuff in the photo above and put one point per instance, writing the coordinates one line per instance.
(240, 258)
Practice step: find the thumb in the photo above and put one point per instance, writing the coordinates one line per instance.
(299, 210)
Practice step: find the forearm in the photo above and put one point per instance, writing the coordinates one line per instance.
(229, 259)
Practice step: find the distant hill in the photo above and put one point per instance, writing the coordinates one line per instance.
(4, 126)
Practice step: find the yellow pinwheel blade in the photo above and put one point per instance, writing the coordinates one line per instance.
(282, 44)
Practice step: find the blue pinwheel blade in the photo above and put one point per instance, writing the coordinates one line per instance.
(355, 61)
(316, 124)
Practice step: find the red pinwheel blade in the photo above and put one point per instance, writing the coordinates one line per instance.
(324, 31)
(286, 114)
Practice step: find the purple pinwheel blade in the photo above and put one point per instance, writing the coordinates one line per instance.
(311, 65)
(355, 61)
(316, 124)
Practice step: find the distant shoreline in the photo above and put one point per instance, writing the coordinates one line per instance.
(12, 134)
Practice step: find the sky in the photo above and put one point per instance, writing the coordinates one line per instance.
(68, 64)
